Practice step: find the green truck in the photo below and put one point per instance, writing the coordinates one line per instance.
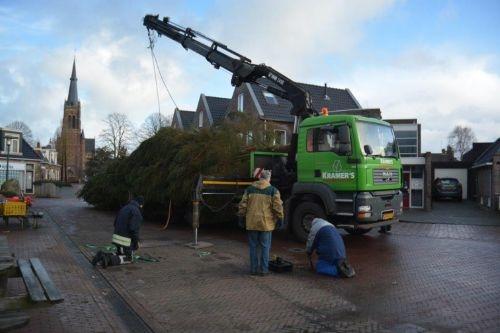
(342, 167)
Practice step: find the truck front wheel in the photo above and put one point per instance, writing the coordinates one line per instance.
(302, 219)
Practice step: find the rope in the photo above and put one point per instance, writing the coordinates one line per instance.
(110, 248)
(217, 209)
(151, 45)
(162, 80)
(155, 61)
(220, 208)
(164, 227)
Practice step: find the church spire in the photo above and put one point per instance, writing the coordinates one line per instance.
(73, 90)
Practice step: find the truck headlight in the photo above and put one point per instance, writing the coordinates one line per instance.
(364, 209)
(364, 212)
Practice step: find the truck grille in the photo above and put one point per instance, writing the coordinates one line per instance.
(385, 176)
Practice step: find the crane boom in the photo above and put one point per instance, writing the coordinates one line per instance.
(243, 70)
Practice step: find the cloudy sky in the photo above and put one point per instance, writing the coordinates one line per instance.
(437, 61)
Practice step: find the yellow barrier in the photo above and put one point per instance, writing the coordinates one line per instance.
(11, 208)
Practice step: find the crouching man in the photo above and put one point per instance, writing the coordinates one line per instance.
(126, 235)
(325, 239)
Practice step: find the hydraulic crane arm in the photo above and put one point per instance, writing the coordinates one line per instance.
(219, 55)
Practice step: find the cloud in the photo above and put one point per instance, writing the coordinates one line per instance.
(440, 87)
(293, 35)
(114, 67)
(308, 42)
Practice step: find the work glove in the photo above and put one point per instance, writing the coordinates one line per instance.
(241, 222)
(279, 224)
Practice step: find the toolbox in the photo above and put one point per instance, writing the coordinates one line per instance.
(279, 265)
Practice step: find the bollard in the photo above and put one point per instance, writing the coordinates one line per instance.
(195, 223)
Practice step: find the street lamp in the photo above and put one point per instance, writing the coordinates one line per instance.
(8, 154)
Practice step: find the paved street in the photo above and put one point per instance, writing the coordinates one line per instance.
(452, 212)
(421, 278)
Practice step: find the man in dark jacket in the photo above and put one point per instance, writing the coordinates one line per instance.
(126, 235)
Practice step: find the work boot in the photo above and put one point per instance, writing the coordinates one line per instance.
(97, 258)
(105, 260)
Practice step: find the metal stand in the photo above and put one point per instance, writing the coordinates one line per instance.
(196, 224)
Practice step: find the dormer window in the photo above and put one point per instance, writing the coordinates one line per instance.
(13, 141)
(200, 119)
(240, 102)
(270, 98)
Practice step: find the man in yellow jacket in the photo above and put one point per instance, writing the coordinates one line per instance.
(262, 208)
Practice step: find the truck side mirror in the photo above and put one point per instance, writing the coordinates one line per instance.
(368, 149)
(344, 140)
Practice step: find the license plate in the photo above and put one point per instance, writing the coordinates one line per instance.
(388, 215)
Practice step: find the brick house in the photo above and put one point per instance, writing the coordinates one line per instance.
(485, 176)
(210, 111)
(253, 99)
(182, 119)
(24, 162)
(49, 166)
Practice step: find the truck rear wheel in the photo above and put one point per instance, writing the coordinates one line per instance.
(302, 219)
(357, 231)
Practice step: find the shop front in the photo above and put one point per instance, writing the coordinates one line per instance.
(414, 182)
(22, 171)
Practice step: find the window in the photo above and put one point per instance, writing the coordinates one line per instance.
(200, 119)
(405, 134)
(326, 139)
(249, 137)
(15, 147)
(270, 98)
(73, 119)
(240, 102)
(379, 137)
(280, 137)
(407, 142)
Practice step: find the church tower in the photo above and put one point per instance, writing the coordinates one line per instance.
(72, 139)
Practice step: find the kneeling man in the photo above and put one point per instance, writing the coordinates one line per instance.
(325, 239)
(125, 236)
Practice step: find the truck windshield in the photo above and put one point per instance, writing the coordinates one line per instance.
(379, 137)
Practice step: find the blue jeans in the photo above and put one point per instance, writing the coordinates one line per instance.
(260, 244)
(327, 268)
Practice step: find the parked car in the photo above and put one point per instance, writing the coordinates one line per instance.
(447, 188)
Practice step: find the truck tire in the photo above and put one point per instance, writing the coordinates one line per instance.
(357, 231)
(302, 218)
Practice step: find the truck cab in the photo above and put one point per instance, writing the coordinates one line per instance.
(348, 172)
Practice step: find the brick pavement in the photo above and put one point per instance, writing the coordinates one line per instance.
(422, 278)
(90, 305)
(452, 212)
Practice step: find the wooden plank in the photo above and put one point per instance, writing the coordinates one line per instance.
(31, 282)
(52, 292)
(10, 320)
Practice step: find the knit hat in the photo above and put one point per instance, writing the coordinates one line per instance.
(139, 199)
(265, 174)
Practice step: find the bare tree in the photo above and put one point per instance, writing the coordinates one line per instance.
(117, 136)
(460, 139)
(25, 129)
(153, 123)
